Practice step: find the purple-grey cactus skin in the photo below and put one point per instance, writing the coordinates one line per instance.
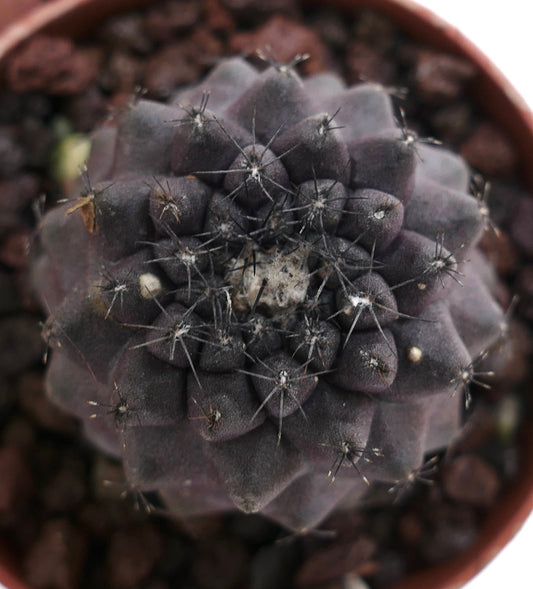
(269, 295)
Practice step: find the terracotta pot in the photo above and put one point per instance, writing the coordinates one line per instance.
(21, 19)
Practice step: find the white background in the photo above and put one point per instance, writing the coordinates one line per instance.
(503, 30)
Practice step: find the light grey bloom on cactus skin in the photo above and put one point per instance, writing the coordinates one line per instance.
(270, 286)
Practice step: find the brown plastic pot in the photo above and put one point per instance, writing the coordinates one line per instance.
(20, 19)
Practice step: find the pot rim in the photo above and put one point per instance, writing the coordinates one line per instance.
(506, 107)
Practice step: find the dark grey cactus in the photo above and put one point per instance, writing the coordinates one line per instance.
(268, 296)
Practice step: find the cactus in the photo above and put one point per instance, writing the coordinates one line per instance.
(267, 294)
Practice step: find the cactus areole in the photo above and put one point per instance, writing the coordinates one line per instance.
(266, 294)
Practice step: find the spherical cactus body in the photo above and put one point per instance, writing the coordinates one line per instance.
(266, 295)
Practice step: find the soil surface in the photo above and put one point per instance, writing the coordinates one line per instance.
(66, 513)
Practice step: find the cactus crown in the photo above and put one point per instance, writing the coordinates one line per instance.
(268, 295)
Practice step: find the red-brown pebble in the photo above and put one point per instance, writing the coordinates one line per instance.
(257, 10)
(453, 122)
(218, 18)
(53, 65)
(390, 568)
(15, 248)
(87, 110)
(287, 39)
(350, 525)
(220, 563)
(500, 251)
(15, 195)
(16, 482)
(203, 47)
(30, 393)
(375, 30)
(122, 73)
(102, 518)
(366, 64)
(524, 289)
(66, 489)
(167, 69)
(18, 432)
(452, 529)
(9, 301)
(132, 554)
(12, 154)
(56, 559)
(26, 293)
(202, 527)
(20, 343)
(157, 584)
(510, 361)
(38, 140)
(167, 20)
(470, 479)
(333, 29)
(440, 77)
(127, 32)
(7, 396)
(477, 431)
(410, 529)
(489, 151)
(522, 224)
(330, 563)
(272, 564)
